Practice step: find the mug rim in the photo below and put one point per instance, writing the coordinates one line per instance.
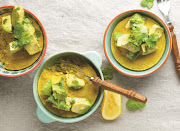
(128, 74)
(62, 119)
(44, 49)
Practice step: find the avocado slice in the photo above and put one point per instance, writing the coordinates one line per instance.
(33, 47)
(146, 50)
(74, 82)
(6, 24)
(81, 105)
(17, 15)
(156, 29)
(47, 88)
(135, 19)
(14, 50)
(116, 35)
(139, 28)
(123, 42)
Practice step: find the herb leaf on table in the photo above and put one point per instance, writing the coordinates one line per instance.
(147, 3)
(108, 72)
(133, 105)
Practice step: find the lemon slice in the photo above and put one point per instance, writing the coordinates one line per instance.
(111, 105)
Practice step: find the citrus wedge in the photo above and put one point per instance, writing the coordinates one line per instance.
(111, 105)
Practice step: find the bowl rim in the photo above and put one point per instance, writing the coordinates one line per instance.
(58, 118)
(45, 46)
(134, 10)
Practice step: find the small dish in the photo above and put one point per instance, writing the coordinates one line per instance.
(16, 73)
(42, 112)
(111, 58)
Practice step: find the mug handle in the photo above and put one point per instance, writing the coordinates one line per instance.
(43, 117)
(94, 57)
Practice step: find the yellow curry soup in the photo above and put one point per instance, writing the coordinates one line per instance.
(20, 59)
(142, 62)
(89, 91)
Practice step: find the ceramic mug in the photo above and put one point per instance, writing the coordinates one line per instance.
(45, 115)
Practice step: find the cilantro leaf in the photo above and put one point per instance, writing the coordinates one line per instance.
(38, 33)
(24, 40)
(138, 38)
(60, 95)
(60, 105)
(63, 105)
(59, 92)
(139, 28)
(75, 83)
(26, 21)
(146, 49)
(108, 72)
(133, 105)
(61, 83)
(4, 21)
(18, 31)
(132, 40)
(116, 35)
(152, 41)
(15, 44)
(59, 98)
(52, 100)
(136, 19)
(147, 3)
(133, 56)
(72, 100)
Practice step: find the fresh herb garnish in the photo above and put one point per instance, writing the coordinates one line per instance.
(4, 21)
(22, 41)
(139, 28)
(146, 49)
(23, 32)
(108, 72)
(58, 98)
(75, 83)
(116, 35)
(133, 56)
(147, 3)
(38, 33)
(19, 31)
(136, 19)
(73, 100)
(133, 105)
(26, 21)
(15, 44)
(138, 38)
(152, 41)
